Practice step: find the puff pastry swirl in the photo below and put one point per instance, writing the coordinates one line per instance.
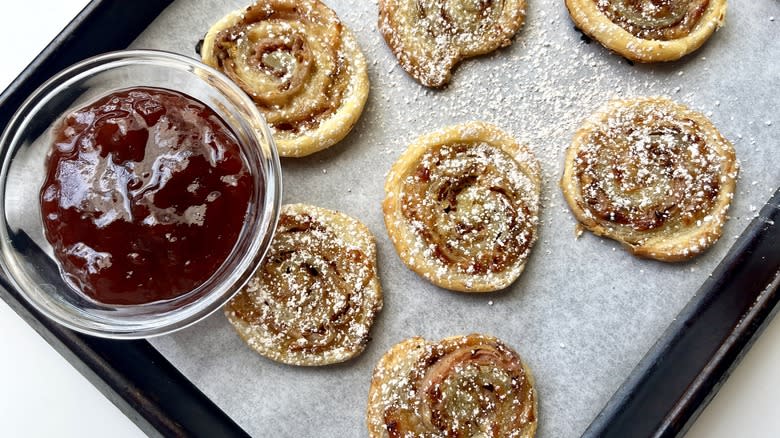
(463, 386)
(302, 67)
(462, 207)
(653, 175)
(314, 298)
(649, 30)
(429, 37)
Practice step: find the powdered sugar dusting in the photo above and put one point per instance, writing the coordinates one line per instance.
(606, 307)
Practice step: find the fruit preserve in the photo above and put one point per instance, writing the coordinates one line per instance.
(145, 196)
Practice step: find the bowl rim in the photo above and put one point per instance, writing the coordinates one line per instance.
(271, 197)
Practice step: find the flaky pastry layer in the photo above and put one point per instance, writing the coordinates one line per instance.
(314, 298)
(302, 67)
(652, 175)
(594, 22)
(430, 37)
(462, 207)
(461, 386)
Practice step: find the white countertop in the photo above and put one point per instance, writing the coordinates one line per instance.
(43, 395)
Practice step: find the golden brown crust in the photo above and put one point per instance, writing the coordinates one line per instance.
(314, 298)
(302, 67)
(429, 37)
(652, 175)
(462, 207)
(668, 31)
(462, 386)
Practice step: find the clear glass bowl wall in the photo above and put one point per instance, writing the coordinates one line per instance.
(27, 257)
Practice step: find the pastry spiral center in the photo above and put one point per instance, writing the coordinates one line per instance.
(655, 19)
(470, 387)
(468, 203)
(287, 58)
(649, 170)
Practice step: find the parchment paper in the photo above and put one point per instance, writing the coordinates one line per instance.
(585, 311)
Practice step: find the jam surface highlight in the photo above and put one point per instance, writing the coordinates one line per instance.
(145, 196)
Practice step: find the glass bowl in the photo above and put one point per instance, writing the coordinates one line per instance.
(27, 257)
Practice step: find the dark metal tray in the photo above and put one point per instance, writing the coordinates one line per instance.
(661, 397)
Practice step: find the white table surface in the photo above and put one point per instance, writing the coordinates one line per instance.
(41, 394)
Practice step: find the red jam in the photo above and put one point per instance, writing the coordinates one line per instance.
(145, 196)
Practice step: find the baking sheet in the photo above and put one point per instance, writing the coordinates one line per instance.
(585, 311)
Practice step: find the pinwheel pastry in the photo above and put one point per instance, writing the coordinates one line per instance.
(649, 30)
(314, 298)
(302, 67)
(462, 207)
(652, 175)
(429, 37)
(463, 386)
